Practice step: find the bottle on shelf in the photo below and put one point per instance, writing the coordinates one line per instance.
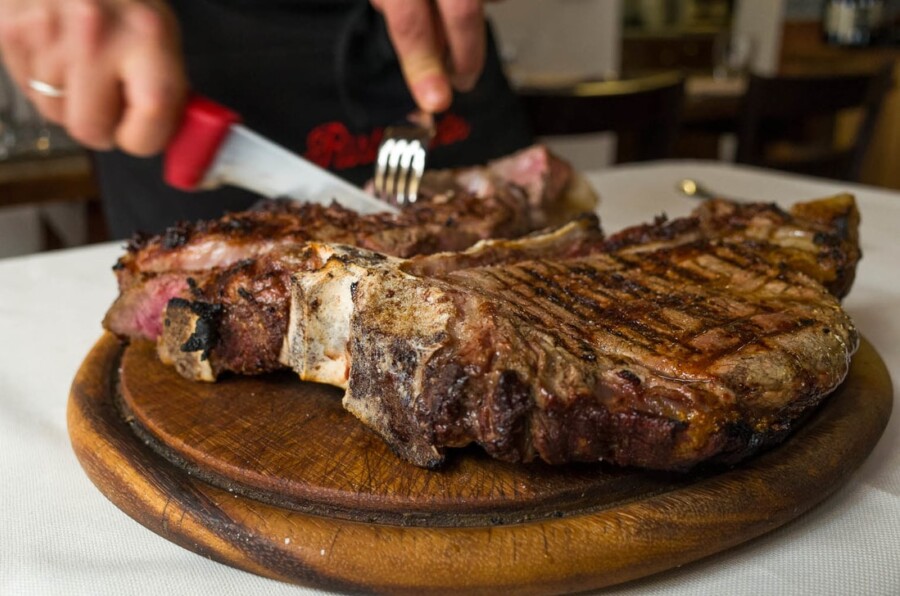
(853, 22)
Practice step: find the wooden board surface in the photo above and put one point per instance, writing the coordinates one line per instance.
(270, 475)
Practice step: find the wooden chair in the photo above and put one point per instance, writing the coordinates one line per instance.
(644, 112)
(788, 123)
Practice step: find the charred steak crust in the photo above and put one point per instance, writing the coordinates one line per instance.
(205, 335)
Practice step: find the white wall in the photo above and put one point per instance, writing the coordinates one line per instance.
(762, 22)
(568, 39)
(572, 37)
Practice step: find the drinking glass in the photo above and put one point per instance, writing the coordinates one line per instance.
(7, 109)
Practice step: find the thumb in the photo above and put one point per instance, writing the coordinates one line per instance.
(416, 38)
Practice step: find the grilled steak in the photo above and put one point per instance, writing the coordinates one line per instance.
(236, 319)
(660, 358)
(659, 355)
(506, 199)
(706, 337)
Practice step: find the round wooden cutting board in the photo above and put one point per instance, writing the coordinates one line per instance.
(270, 475)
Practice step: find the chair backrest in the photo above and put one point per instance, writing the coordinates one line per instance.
(645, 112)
(781, 109)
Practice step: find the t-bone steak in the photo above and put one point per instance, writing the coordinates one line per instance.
(665, 345)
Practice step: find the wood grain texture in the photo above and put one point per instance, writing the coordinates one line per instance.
(271, 476)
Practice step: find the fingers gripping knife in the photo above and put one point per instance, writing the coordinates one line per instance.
(212, 148)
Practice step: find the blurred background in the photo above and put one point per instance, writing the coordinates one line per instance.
(800, 85)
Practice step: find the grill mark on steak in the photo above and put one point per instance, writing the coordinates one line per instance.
(634, 329)
(507, 285)
(689, 305)
(621, 316)
(585, 300)
(597, 283)
(618, 313)
(741, 331)
(614, 284)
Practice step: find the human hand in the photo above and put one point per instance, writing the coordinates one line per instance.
(440, 43)
(117, 62)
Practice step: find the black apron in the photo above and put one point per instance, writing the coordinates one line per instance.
(317, 76)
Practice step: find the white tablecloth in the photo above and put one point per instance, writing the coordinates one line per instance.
(59, 534)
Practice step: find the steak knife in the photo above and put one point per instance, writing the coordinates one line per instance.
(212, 148)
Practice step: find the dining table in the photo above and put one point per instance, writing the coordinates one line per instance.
(60, 535)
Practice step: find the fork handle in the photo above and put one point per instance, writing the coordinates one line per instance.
(193, 149)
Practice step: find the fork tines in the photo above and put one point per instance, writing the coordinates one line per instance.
(401, 163)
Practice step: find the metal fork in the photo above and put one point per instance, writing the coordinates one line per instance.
(401, 162)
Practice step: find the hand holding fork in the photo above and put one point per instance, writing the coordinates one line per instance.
(439, 43)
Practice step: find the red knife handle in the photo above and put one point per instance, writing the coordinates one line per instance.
(191, 151)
